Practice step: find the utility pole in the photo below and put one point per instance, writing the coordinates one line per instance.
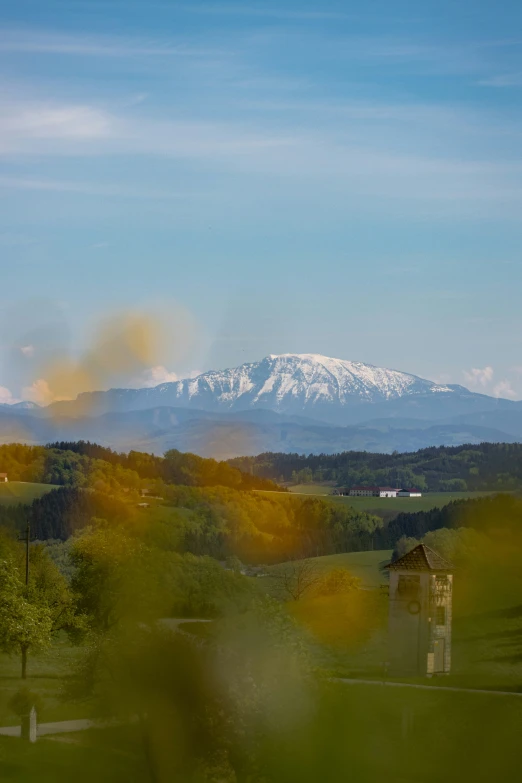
(27, 539)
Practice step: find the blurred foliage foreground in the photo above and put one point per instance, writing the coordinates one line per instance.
(248, 696)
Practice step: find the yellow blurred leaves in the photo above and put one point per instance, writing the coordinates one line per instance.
(345, 619)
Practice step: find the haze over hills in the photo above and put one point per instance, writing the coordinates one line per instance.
(226, 435)
(303, 403)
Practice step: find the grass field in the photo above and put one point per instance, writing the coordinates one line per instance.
(14, 492)
(425, 503)
(487, 645)
(358, 732)
(48, 672)
(365, 565)
(113, 755)
(363, 732)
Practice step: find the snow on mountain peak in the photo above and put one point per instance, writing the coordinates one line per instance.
(295, 383)
(318, 376)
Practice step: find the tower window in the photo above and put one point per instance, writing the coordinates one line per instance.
(440, 615)
(409, 585)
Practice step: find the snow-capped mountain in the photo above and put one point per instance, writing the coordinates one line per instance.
(311, 385)
(282, 382)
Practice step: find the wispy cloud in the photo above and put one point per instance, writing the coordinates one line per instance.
(54, 43)
(505, 390)
(419, 151)
(479, 376)
(482, 379)
(38, 392)
(88, 188)
(32, 127)
(157, 375)
(262, 11)
(6, 398)
(356, 159)
(34, 120)
(503, 80)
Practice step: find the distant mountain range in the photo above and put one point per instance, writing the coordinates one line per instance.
(294, 402)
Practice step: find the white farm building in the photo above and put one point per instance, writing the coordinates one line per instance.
(382, 492)
(373, 492)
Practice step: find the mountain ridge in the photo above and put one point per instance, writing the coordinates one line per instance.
(331, 390)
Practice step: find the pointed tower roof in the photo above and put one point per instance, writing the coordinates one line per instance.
(422, 558)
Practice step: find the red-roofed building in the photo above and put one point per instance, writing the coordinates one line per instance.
(409, 493)
(373, 492)
(3, 478)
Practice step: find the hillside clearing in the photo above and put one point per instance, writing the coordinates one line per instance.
(364, 565)
(14, 492)
(425, 503)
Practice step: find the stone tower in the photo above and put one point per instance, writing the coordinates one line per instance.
(420, 612)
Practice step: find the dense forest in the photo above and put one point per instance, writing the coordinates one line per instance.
(215, 521)
(221, 522)
(204, 508)
(503, 512)
(84, 464)
(487, 466)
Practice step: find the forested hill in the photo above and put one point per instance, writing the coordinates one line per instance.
(82, 464)
(499, 516)
(487, 466)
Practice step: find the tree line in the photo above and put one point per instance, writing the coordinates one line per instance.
(501, 513)
(84, 464)
(486, 466)
(219, 522)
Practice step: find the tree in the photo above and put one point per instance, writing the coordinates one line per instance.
(32, 613)
(295, 578)
(48, 587)
(104, 560)
(336, 582)
(24, 625)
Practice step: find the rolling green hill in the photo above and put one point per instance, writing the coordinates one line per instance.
(428, 501)
(365, 565)
(22, 492)
(471, 467)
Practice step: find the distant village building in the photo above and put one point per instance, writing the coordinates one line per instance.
(379, 492)
(375, 492)
(420, 614)
(3, 478)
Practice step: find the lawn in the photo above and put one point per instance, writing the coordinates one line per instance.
(486, 653)
(14, 492)
(487, 643)
(365, 565)
(95, 755)
(313, 489)
(363, 733)
(48, 672)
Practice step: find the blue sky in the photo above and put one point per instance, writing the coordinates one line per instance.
(337, 177)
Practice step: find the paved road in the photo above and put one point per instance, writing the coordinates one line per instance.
(66, 726)
(61, 727)
(350, 681)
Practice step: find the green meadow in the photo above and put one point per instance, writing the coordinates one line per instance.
(367, 566)
(428, 501)
(14, 492)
